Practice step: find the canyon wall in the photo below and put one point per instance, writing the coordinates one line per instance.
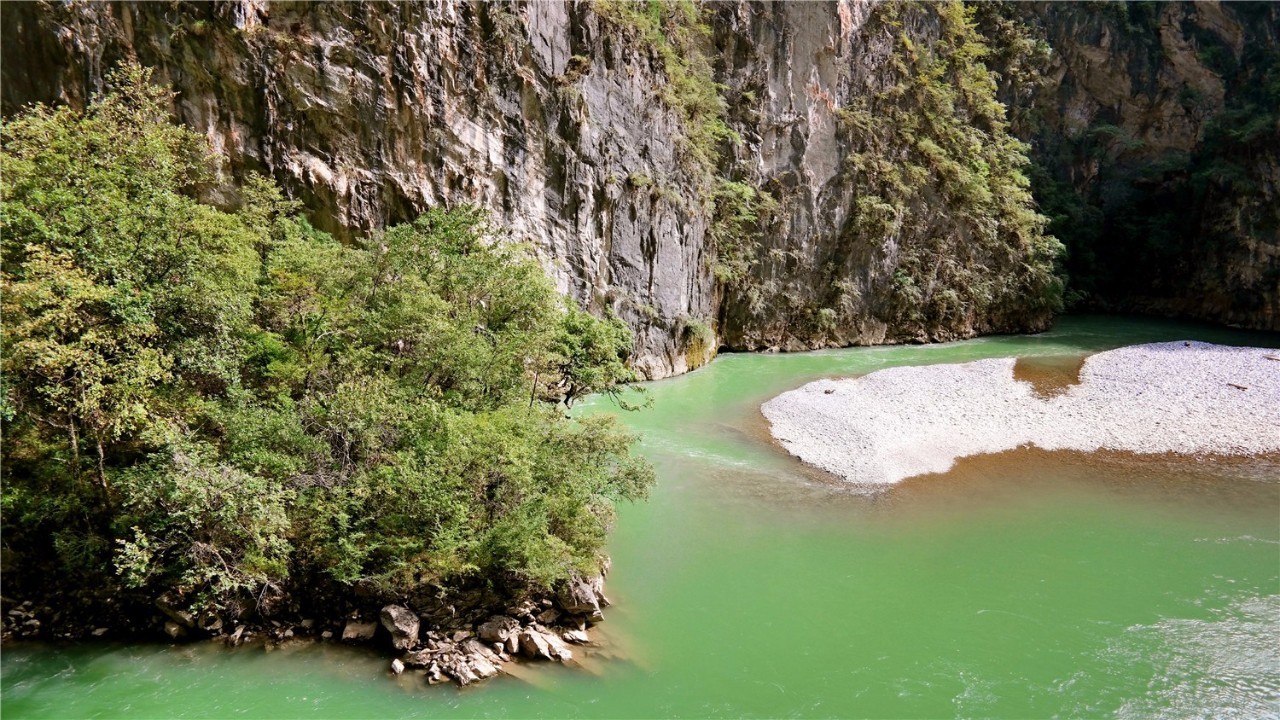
(801, 205)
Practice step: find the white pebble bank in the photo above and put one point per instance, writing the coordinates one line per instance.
(1176, 397)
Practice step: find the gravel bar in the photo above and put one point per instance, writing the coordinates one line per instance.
(1179, 397)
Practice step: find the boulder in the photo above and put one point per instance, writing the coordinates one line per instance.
(174, 630)
(170, 604)
(475, 648)
(533, 644)
(597, 587)
(575, 636)
(577, 597)
(210, 622)
(497, 628)
(403, 625)
(460, 671)
(356, 631)
(548, 616)
(417, 658)
(559, 649)
(397, 667)
(483, 667)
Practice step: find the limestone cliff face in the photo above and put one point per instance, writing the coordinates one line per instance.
(1159, 128)
(554, 120)
(370, 113)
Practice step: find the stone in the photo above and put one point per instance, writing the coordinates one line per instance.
(461, 672)
(497, 628)
(558, 649)
(483, 667)
(533, 644)
(99, 632)
(236, 637)
(307, 624)
(358, 632)
(403, 625)
(548, 616)
(210, 623)
(174, 630)
(513, 644)
(397, 667)
(578, 637)
(170, 604)
(597, 586)
(326, 635)
(577, 597)
(476, 648)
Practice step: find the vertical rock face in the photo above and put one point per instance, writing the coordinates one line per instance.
(370, 113)
(554, 119)
(1158, 126)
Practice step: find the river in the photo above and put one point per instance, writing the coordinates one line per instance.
(1027, 584)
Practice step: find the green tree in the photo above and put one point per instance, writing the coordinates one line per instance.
(208, 404)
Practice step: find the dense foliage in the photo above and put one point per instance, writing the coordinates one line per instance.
(938, 134)
(220, 403)
(1145, 221)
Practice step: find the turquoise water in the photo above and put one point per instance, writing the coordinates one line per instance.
(1024, 584)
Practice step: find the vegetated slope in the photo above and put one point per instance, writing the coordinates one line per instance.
(1155, 129)
(684, 164)
(236, 412)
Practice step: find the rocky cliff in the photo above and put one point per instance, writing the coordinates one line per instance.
(1156, 132)
(752, 175)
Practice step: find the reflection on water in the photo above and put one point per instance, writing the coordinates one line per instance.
(1023, 584)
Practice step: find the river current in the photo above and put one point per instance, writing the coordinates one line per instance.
(1025, 584)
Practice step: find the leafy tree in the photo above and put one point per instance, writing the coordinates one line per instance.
(208, 403)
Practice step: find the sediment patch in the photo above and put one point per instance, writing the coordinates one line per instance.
(1180, 397)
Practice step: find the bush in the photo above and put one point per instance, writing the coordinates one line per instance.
(209, 403)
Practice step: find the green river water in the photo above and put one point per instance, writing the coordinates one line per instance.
(1027, 584)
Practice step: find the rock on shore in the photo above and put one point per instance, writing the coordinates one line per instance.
(1178, 397)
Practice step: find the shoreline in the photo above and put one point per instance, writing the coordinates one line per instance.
(477, 640)
(1183, 397)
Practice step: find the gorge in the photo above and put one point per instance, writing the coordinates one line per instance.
(318, 319)
(749, 175)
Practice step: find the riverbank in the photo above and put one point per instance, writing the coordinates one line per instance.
(462, 637)
(1188, 398)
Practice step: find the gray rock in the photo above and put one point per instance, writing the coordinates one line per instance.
(210, 623)
(174, 630)
(559, 650)
(533, 644)
(483, 667)
(397, 667)
(497, 628)
(577, 597)
(171, 605)
(359, 632)
(403, 625)
(575, 636)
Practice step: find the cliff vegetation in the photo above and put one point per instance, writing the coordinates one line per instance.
(237, 412)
